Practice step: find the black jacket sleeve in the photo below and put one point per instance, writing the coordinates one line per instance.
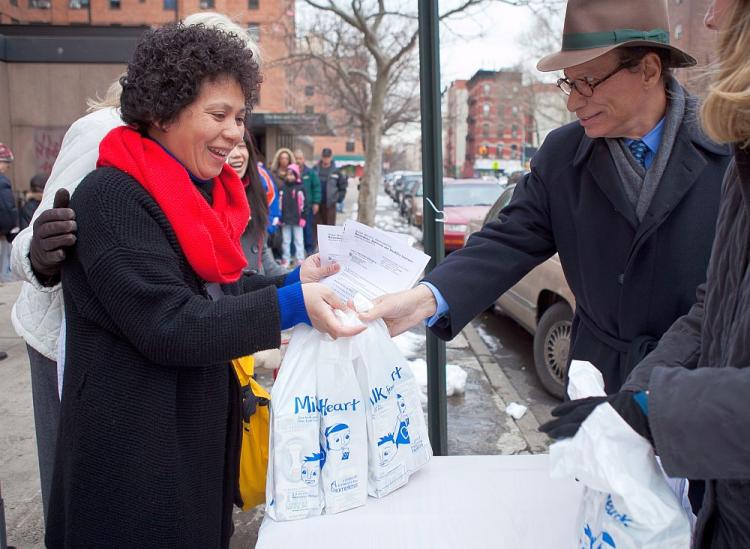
(496, 257)
(8, 209)
(126, 276)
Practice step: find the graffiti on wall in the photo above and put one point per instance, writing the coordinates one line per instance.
(47, 143)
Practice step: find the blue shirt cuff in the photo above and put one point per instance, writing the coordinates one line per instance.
(292, 277)
(641, 398)
(292, 306)
(442, 305)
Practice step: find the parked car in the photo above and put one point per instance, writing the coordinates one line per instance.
(464, 200)
(543, 304)
(400, 181)
(389, 180)
(405, 183)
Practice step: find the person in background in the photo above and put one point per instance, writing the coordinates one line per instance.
(40, 249)
(281, 161)
(332, 188)
(259, 257)
(292, 215)
(8, 214)
(689, 397)
(311, 184)
(33, 198)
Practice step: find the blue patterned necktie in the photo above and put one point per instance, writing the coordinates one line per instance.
(639, 150)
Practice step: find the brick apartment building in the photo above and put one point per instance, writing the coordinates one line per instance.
(54, 54)
(500, 129)
(455, 128)
(690, 34)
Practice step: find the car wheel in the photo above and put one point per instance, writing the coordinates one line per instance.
(551, 347)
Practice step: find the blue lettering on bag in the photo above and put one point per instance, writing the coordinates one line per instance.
(610, 509)
(308, 405)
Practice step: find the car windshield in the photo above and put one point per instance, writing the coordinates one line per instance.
(471, 195)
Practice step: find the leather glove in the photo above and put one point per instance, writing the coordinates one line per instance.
(570, 415)
(54, 231)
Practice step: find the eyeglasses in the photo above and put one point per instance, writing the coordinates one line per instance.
(585, 86)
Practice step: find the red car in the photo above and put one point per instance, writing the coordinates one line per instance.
(463, 201)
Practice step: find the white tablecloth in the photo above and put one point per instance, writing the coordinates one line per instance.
(456, 502)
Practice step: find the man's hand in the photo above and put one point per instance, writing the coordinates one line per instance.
(311, 270)
(570, 415)
(315, 208)
(320, 301)
(402, 310)
(54, 231)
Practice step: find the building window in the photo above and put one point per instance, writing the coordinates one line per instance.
(514, 132)
(486, 88)
(170, 5)
(114, 4)
(206, 4)
(13, 2)
(678, 30)
(78, 4)
(253, 4)
(309, 109)
(499, 150)
(350, 146)
(40, 4)
(501, 131)
(486, 109)
(486, 130)
(309, 91)
(253, 29)
(514, 109)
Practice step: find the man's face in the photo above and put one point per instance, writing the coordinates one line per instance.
(613, 109)
(300, 157)
(4, 166)
(325, 161)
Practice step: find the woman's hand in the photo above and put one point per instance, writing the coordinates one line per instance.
(402, 310)
(312, 271)
(320, 301)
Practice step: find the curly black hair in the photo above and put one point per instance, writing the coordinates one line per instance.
(169, 65)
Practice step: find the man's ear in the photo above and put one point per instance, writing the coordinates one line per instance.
(651, 69)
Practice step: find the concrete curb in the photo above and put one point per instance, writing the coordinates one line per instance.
(528, 425)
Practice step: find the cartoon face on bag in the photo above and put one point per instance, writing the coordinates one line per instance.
(604, 541)
(338, 437)
(401, 404)
(386, 449)
(311, 469)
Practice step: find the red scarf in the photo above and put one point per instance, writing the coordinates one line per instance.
(209, 235)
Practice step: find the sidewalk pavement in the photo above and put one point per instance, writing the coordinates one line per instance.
(477, 422)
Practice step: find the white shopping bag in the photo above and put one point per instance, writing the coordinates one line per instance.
(295, 456)
(343, 429)
(396, 431)
(627, 502)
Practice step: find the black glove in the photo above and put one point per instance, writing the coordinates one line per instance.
(54, 230)
(571, 414)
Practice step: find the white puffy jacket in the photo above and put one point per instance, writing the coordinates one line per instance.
(38, 311)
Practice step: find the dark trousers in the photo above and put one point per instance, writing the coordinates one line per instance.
(310, 232)
(46, 417)
(327, 215)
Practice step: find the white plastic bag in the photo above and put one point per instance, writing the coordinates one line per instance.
(343, 430)
(627, 502)
(295, 456)
(397, 436)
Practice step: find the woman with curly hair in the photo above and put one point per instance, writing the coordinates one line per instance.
(157, 305)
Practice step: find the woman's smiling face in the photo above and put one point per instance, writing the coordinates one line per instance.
(206, 131)
(239, 158)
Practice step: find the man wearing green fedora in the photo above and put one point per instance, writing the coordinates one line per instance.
(628, 196)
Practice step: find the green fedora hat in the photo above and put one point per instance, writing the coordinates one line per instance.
(594, 27)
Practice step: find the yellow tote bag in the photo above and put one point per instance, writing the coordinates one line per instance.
(255, 433)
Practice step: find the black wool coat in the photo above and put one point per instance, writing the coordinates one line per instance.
(631, 280)
(149, 432)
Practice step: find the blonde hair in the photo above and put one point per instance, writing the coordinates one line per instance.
(209, 19)
(726, 111)
(275, 163)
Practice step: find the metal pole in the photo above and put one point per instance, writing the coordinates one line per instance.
(432, 181)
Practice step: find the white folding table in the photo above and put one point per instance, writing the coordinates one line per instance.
(465, 502)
